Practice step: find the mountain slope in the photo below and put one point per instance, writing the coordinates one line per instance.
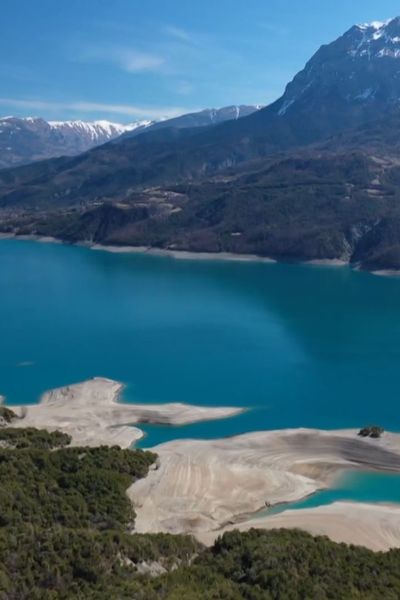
(25, 140)
(351, 81)
(339, 200)
(204, 118)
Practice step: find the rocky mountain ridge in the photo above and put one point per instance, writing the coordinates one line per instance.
(29, 139)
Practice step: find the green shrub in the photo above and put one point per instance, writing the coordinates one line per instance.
(7, 414)
(30, 437)
(65, 523)
(373, 431)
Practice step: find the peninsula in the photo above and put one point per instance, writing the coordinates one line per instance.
(206, 487)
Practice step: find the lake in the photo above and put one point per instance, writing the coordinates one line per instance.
(297, 345)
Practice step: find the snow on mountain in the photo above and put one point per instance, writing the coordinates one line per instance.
(228, 113)
(351, 79)
(28, 139)
(99, 129)
(203, 118)
(374, 25)
(95, 129)
(377, 39)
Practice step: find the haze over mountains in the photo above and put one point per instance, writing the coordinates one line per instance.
(314, 175)
(24, 140)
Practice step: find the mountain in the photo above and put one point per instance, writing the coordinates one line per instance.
(203, 118)
(313, 176)
(25, 140)
(354, 80)
(337, 200)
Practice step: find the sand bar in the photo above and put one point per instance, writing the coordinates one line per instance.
(206, 487)
(201, 486)
(374, 526)
(90, 412)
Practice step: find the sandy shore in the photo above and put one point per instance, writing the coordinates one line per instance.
(387, 273)
(90, 412)
(328, 262)
(202, 486)
(32, 238)
(183, 254)
(375, 526)
(206, 487)
(178, 254)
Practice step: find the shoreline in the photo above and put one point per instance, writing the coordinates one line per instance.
(183, 254)
(207, 487)
(146, 250)
(92, 413)
(201, 486)
(201, 256)
(386, 273)
(372, 525)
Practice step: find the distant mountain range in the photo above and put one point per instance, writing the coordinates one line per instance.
(315, 175)
(203, 118)
(25, 140)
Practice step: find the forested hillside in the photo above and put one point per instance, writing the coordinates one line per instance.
(66, 533)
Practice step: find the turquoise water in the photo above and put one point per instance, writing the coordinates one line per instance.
(351, 487)
(297, 345)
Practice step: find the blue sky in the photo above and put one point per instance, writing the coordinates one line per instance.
(134, 59)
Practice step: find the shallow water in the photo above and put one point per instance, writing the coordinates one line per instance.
(351, 487)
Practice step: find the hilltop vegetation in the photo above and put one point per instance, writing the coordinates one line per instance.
(317, 205)
(29, 437)
(66, 534)
(65, 518)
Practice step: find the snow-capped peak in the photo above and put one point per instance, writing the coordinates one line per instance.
(55, 138)
(378, 39)
(23, 119)
(98, 129)
(374, 25)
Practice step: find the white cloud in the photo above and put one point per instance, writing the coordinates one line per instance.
(136, 62)
(127, 110)
(177, 33)
(126, 59)
(182, 62)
